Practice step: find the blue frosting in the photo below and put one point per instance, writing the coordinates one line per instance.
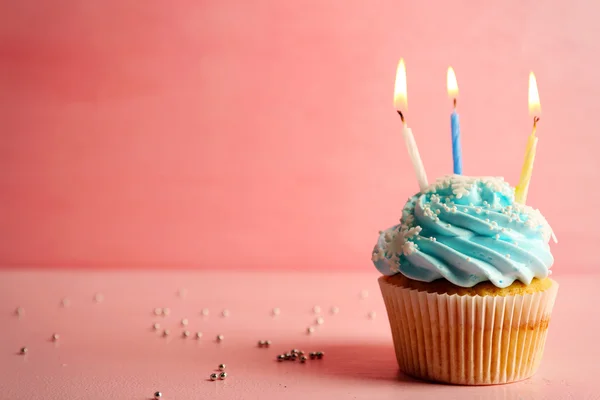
(466, 230)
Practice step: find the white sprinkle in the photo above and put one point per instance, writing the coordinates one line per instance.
(438, 211)
(166, 311)
(508, 256)
(184, 322)
(320, 321)
(166, 332)
(364, 294)
(204, 312)
(431, 238)
(487, 220)
(447, 225)
(468, 259)
(478, 210)
(334, 310)
(156, 326)
(99, 297)
(65, 302)
(19, 311)
(55, 337)
(466, 209)
(372, 315)
(497, 236)
(225, 313)
(502, 229)
(198, 335)
(220, 338)
(186, 334)
(471, 204)
(310, 330)
(276, 311)
(158, 311)
(182, 292)
(317, 309)
(515, 243)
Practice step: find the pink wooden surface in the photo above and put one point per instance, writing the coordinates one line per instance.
(107, 350)
(261, 134)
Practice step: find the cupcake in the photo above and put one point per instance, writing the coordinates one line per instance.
(466, 283)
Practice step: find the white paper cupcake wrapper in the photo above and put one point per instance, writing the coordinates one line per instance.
(468, 340)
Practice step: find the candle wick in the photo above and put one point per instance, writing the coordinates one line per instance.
(401, 115)
(455, 103)
(535, 121)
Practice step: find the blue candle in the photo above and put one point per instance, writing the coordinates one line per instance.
(456, 150)
(454, 123)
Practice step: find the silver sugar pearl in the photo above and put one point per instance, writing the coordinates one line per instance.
(157, 395)
(55, 337)
(310, 330)
(185, 334)
(214, 377)
(293, 357)
(301, 353)
(262, 343)
(294, 351)
(320, 355)
(312, 355)
(220, 338)
(281, 357)
(303, 359)
(23, 350)
(222, 367)
(223, 375)
(267, 343)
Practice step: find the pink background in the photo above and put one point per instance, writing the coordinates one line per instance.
(238, 134)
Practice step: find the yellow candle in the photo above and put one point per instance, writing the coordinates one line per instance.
(535, 110)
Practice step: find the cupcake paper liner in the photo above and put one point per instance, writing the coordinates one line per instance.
(468, 340)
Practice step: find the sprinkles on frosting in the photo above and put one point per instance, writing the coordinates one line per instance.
(489, 200)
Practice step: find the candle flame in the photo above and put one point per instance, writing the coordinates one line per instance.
(535, 109)
(451, 84)
(400, 99)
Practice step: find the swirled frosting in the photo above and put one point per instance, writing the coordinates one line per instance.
(466, 230)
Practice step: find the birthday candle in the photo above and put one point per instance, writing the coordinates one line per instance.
(454, 122)
(400, 102)
(527, 169)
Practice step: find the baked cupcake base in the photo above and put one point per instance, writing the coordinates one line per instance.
(455, 335)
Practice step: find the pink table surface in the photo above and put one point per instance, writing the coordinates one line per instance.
(108, 350)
